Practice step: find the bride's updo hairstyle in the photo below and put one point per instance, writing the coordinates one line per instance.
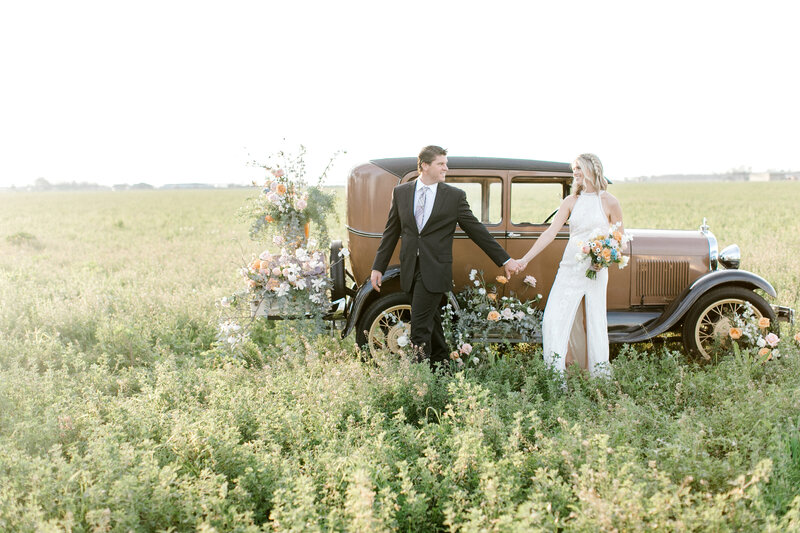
(592, 171)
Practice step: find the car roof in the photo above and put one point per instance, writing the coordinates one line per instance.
(400, 166)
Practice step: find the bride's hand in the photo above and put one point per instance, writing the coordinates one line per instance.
(522, 265)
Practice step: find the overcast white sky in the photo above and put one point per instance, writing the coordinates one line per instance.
(177, 91)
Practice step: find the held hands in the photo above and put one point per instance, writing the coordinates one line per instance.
(376, 277)
(512, 267)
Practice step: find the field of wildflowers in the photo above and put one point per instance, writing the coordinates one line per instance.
(118, 413)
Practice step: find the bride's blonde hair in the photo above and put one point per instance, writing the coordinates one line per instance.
(592, 171)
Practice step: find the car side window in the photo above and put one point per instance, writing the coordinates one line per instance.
(533, 202)
(484, 196)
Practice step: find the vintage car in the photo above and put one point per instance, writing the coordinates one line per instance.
(676, 281)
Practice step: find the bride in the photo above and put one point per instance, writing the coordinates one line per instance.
(575, 328)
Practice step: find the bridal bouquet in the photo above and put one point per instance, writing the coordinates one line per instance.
(603, 249)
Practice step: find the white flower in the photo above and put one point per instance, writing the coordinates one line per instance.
(402, 341)
(344, 252)
(292, 278)
(530, 310)
(477, 283)
(481, 291)
(507, 314)
(318, 283)
(624, 261)
(316, 298)
(312, 243)
(519, 315)
(224, 302)
(301, 283)
(282, 289)
(476, 360)
(301, 254)
(472, 274)
(761, 342)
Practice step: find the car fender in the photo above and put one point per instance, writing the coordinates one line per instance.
(675, 312)
(363, 297)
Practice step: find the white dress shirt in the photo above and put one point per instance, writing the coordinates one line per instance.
(430, 197)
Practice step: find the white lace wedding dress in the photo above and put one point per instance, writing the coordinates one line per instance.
(562, 325)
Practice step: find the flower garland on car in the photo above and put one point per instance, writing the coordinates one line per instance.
(487, 315)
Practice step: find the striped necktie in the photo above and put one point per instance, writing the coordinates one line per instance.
(419, 212)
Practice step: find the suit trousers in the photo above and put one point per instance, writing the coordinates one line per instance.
(426, 320)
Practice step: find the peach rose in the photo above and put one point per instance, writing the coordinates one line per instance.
(269, 218)
(493, 315)
(735, 333)
(502, 279)
(763, 351)
(281, 188)
(763, 322)
(492, 296)
(606, 254)
(618, 236)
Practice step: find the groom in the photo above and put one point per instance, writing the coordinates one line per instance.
(425, 212)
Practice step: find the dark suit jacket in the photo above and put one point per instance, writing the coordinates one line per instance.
(435, 242)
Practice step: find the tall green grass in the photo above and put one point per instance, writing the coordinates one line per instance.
(117, 413)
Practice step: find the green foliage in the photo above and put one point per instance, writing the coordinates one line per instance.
(116, 413)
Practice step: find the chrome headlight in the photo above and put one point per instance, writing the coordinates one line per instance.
(730, 257)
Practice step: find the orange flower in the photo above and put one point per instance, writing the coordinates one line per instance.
(763, 322)
(735, 333)
(618, 236)
(763, 351)
(492, 296)
(269, 218)
(255, 265)
(797, 336)
(606, 254)
(454, 355)
(493, 315)
(281, 188)
(502, 279)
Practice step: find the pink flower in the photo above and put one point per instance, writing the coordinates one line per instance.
(276, 271)
(585, 248)
(772, 340)
(466, 348)
(278, 173)
(507, 313)
(530, 280)
(301, 204)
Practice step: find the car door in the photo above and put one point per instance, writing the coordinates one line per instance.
(533, 198)
(484, 189)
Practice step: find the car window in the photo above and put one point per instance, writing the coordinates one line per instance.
(484, 196)
(532, 202)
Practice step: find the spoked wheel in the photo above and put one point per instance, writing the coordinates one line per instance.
(386, 324)
(708, 323)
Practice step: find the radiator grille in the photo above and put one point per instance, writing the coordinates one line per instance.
(662, 277)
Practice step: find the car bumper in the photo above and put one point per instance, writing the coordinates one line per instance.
(784, 314)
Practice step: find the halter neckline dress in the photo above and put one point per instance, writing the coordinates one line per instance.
(562, 325)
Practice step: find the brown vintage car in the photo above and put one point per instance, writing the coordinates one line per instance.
(676, 281)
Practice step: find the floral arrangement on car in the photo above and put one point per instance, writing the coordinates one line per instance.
(487, 315)
(287, 205)
(291, 280)
(292, 283)
(753, 335)
(603, 249)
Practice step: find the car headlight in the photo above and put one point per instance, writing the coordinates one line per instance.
(730, 257)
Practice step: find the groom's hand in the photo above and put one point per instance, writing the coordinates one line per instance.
(512, 267)
(376, 278)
